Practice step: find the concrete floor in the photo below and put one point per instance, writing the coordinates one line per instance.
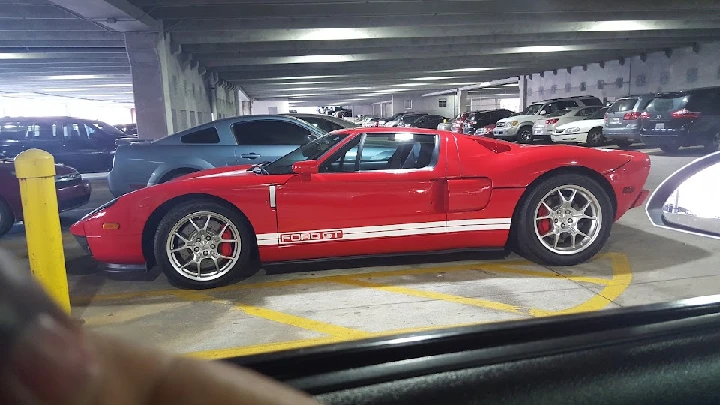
(296, 305)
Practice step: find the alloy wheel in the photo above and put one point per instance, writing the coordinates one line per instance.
(203, 246)
(568, 220)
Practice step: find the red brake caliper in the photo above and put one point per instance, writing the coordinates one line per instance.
(226, 248)
(544, 225)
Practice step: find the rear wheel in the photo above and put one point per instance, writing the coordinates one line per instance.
(563, 220)
(713, 144)
(595, 137)
(669, 149)
(202, 244)
(524, 135)
(7, 219)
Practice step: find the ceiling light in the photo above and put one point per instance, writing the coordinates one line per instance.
(475, 69)
(511, 85)
(618, 25)
(73, 77)
(319, 59)
(111, 85)
(331, 34)
(430, 78)
(542, 48)
(19, 55)
(410, 84)
(53, 90)
(353, 88)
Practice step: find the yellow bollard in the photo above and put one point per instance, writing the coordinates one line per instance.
(35, 169)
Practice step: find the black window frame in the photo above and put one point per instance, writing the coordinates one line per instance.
(201, 132)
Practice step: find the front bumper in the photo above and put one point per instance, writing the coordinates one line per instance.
(505, 132)
(628, 133)
(74, 196)
(662, 140)
(569, 138)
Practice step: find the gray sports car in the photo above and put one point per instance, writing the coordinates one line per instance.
(231, 141)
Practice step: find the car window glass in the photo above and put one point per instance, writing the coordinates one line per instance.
(592, 101)
(270, 132)
(325, 125)
(622, 105)
(203, 136)
(667, 103)
(397, 151)
(344, 160)
(72, 132)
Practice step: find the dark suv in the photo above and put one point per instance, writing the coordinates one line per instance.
(86, 145)
(684, 118)
(479, 119)
(622, 120)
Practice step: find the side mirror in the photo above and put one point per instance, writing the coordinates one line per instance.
(688, 200)
(306, 167)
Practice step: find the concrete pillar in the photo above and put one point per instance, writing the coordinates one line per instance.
(523, 92)
(462, 101)
(148, 88)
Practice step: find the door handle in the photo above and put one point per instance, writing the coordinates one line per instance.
(250, 156)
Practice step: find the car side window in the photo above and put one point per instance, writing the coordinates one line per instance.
(203, 136)
(344, 160)
(270, 132)
(325, 125)
(401, 151)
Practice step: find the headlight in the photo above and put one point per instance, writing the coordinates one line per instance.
(514, 123)
(67, 177)
(573, 130)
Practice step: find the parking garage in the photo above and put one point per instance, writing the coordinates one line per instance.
(177, 65)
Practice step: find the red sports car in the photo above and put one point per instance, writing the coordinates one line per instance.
(371, 191)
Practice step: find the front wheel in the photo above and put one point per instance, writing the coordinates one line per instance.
(203, 244)
(595, 137)
(525, 135)
(564, 220)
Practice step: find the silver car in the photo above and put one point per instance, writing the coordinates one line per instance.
(231, 141)
(326, 123)
(622, 120)
(544, 128)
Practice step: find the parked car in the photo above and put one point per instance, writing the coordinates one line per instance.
(384, 121)
(371, 122)
(227, 142)
(326, 123)
(622, 120)
(203, 228)
(72, 192)
(405, 119)
(545, 128)
(684, 118)
(486, 131)
(519, 127)
(429, 121)
(480, 119)
(86, 145)
(459, 122)
(588, 130)
(446, 125)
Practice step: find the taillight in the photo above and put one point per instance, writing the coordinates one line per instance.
(552, 121)
(377, 123)
(685, 113)
(473, 122)
(644, 115)
(631, 116)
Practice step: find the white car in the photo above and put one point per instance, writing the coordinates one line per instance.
(587, 131)
(544, 128)
(519, 127)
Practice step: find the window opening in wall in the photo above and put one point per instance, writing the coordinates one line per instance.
(193, 119)
(442, 103)
(408, 104)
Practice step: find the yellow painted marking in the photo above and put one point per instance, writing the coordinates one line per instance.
(547, 274)
(432, 295)
(622, 276)
(336, 331)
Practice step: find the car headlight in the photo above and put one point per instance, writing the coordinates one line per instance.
(514, 123)
(573, 130)
(67, 177)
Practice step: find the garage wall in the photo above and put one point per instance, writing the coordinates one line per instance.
(512, 104)
(263, 107)
(430, 105)
(684, 69)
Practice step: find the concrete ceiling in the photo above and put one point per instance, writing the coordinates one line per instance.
(335, 51)
(48, 51)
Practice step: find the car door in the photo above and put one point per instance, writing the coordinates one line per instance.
(380, 193)
(266, 140)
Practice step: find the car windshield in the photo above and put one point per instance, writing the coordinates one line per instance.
(310, 151)
(532, 109)
(108, 129)
(597, 115)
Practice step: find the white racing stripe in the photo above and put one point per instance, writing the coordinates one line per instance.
(383, 231)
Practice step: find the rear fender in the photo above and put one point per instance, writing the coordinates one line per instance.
(194, 164)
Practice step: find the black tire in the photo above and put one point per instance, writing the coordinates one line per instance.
(7, 218)
(622, 144)
(523, 235)
(669, 149)
(595, 137)
(524, 135)
(174, 174)
(247, 244)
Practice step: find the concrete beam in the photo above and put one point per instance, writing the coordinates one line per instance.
(117, 15)
(61, 43)
(48, 25)
(265, 35)
(26, 12)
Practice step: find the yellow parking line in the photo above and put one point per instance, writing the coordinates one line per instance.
(547, 274)
(432, 295)
(335, 331)
(622, 276)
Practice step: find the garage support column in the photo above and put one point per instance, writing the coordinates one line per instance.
(522, 83)
(149, 84)
(462, 101)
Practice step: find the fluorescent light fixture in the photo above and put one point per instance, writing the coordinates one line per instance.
(473, 69)
(57, 89)
(511, 85)
(542, 48)
(111, 85)
(354, 88)
(319, 59)
(73, 77)
(20, 55)
(332, 34)
(411, 84)
(431, 78)
(619, 25)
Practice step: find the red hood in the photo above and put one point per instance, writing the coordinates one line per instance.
(218, 172)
